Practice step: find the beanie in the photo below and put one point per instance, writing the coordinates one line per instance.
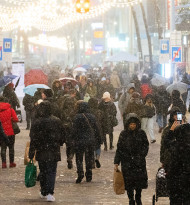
(106, 95)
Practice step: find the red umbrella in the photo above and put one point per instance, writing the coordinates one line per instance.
(67, 79)
(35, 76)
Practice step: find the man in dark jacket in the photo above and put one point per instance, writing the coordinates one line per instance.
(132, 149)
(47, 135)
(162, 101)
(28, 102)
(178, 180)
(85, 136)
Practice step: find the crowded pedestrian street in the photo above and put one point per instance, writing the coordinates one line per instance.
(99, 191)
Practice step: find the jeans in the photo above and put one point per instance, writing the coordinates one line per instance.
(161, 120)
(148, 127)
(47, 176)
(89, 158)
(10, 145)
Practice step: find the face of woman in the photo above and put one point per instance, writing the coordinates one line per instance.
(132, 126)
(43, 96)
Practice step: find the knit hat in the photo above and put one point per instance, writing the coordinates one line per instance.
(48, 93)
(106, 95)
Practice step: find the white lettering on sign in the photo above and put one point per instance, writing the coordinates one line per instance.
(164, 47)
(7, 45)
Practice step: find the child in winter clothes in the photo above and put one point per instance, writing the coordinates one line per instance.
(147, 119)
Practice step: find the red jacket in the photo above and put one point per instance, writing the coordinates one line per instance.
(6, 115)
(145, 89)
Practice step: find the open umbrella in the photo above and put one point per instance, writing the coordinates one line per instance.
(67, 79)
(35, 76)
(86, 67)
(80, 69)
(5, 81)
(158, 80)
(181, 87)
(31, 89)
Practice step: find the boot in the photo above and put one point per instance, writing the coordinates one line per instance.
(12, 164)
(111, 146)
(160, 129)
(4, 165)
(79, 179)
(131, 202)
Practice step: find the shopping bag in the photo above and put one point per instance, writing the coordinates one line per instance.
(26, 154)
(30, 174)
(118, 182)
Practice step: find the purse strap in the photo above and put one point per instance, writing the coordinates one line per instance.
(88, 123)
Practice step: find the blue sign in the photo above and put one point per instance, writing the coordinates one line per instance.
(98, 47)
(7, 45)
(1, 53)
(165, 46)
(176, 54)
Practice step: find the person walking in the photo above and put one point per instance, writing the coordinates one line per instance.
(177, 144)
(7, 116)
(46, 136)
(109, 116)
(162, 102)
(85, 136)
(115, 81)
(132, 149)
(28, 102)
(147, 118)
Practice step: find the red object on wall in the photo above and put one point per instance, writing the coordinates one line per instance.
(35, 76)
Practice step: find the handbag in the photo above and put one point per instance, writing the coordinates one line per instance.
(118, 182)
(16, 128)
(30, 174)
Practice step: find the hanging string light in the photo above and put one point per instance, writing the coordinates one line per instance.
(48, 15)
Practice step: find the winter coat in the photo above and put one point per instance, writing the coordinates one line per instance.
(148, 111)
(47, 135)
(57, 91)
(85, 130)
(162, 101)
(132, 149)
(10, 94)
(177, 102)
(134, 106)
(91, 90)
(178, 176)
(125, 98)
(67, 116)
(145, 89)
(114, 79)
(7, 115)
(109, 113)
(28, 102)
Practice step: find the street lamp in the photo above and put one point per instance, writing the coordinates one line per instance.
(82, 6)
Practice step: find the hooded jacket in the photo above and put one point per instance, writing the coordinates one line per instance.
(85, 129)
(132, 149)
(7, 115)
(115, 81)
(177, 102)
(47, 135)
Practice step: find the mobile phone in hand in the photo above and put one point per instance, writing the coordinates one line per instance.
(179, 117)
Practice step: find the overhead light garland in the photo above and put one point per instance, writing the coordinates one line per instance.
(48, 15)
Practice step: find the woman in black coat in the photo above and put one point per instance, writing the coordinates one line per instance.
(178, 175)
(85, 137)
(47, 135)
(132, 149)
